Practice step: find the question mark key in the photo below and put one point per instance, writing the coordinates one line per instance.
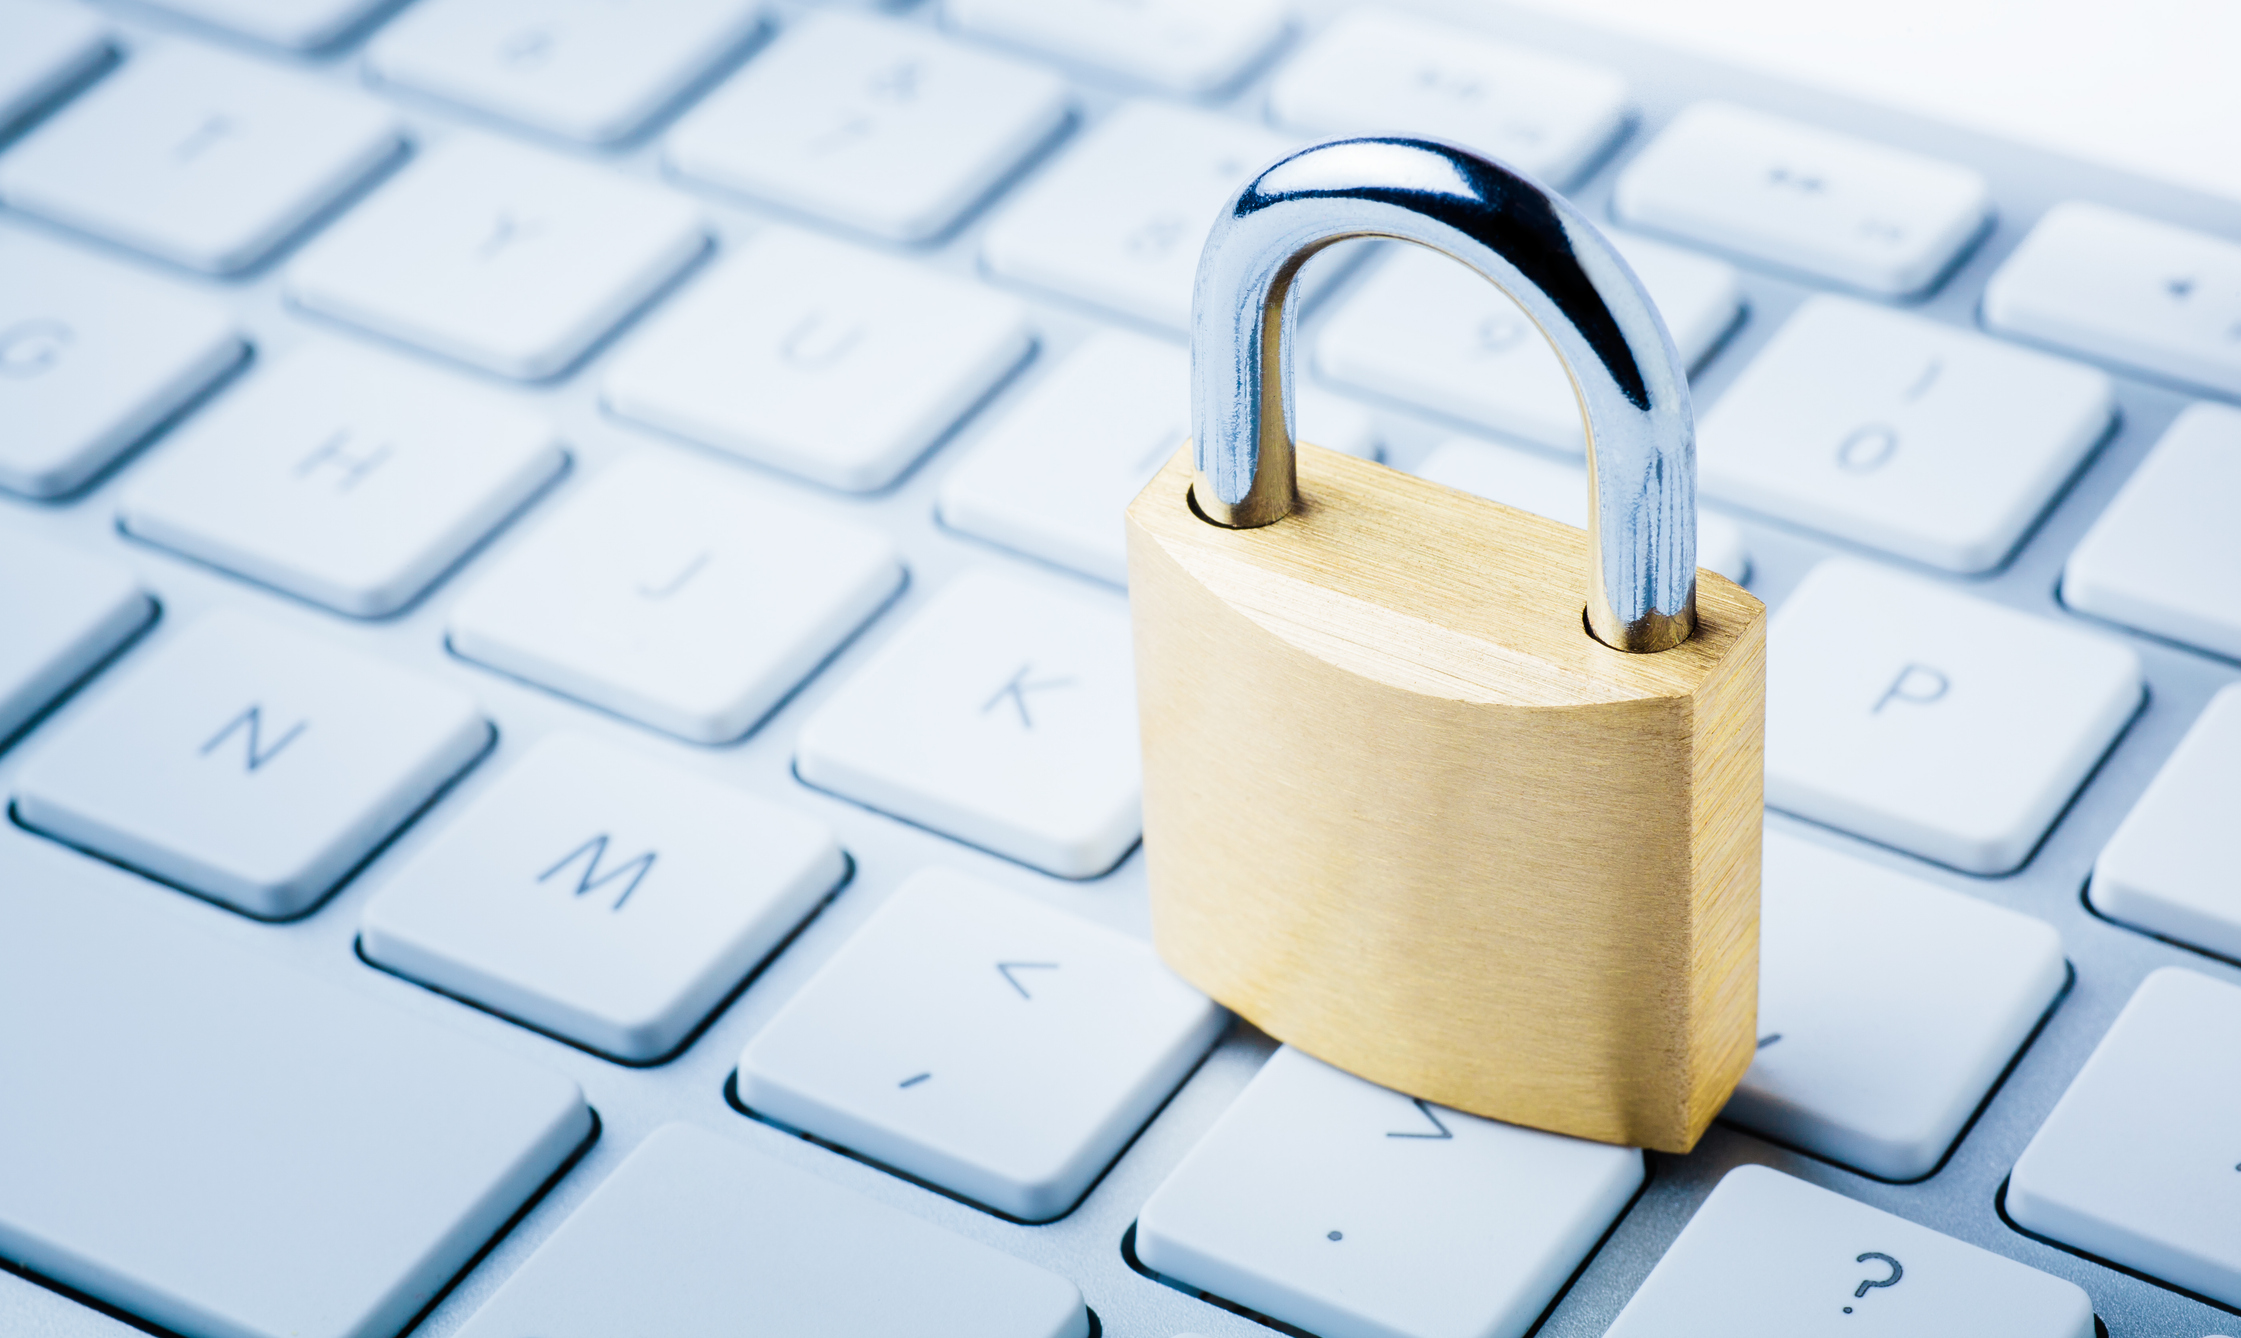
(1771, 1256)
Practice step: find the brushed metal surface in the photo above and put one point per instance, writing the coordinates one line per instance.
(1403, 812)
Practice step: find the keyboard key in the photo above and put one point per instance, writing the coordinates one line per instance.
(2125, 289)
(876, 125)
(668, 591)
(249, 764)
(1350, 1211)
(216, 1143)
(1425, 330)
(2136, 1164)
(1558, 490)
(92, 358)
(1888, 1007)
(509, 259)
(65, 613)
(201, 158)
(1055, 474)
(587, 70)
(1933, 442)
(2167, 869)
(348, 479)
(603, 897)
(1181, 46)
(1120, 219)
(1803, 198)
(1375, 71)
(1933, 721)
(977, 1039)
(694, 1232)
(300, 25)
(825, 360)
(44, 49)
(2164, 556)
(1768, 1256)
(1003, 715)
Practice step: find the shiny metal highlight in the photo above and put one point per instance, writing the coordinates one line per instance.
(1533, 245)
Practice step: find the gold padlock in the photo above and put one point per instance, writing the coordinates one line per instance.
(1417, 799)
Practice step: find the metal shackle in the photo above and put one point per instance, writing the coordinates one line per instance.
(1533, 245)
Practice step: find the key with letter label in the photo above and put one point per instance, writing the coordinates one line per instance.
(509, 259)
(1936, 443)
(668, 591)
(348, 478)
(1352, 1211)
(977, 1039)
(1887, 1008)
(198, 157)
(1003, 715)
(1375, 70)
(877, 125)
(2168, 869)
(2138, 1162)
(248, 763)
(65, 612)
(2126, 289)
(1054, 475)
(1119, 220)
(589, 70)
(1778, 191)
(819, 358)
(93, 356)
(1769, 1256)
(696, 1236)
(1956, 731)
(602, 896)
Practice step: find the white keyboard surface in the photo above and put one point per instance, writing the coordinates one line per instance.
(567, 723)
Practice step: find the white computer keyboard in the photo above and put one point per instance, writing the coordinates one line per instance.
(566, 711)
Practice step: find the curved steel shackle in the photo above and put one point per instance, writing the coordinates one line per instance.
(1534, 246)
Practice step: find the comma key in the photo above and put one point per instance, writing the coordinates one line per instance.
(974, 1038)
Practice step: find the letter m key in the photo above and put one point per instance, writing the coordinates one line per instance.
(591, 879)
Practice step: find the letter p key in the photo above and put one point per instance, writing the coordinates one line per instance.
(1918, 684)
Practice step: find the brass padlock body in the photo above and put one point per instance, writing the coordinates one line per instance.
(1402, 811)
